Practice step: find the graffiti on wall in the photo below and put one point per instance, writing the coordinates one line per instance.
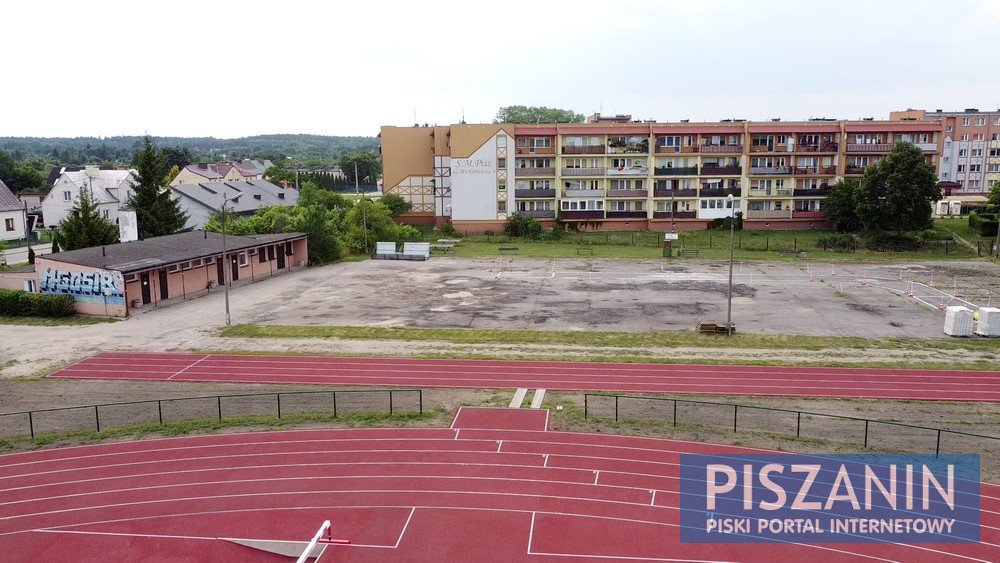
(86, 287)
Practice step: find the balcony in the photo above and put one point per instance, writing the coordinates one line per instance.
(676, 215)
(534, 194)
(823, 147)
(927, 147)
(720, 192)
(808, 214)
(815, 170)
(626, 214)
(632, 171)
(570, 192)
(769, 170)
(537, 213)
(854, 170)
(583, 171)
(636, 148)
(769, 214)
(770, 193)
(811, 192)
(870, 147)
(721, 170)
(575, 149)
(676, 171)
(721, 149)
(534, 171)
(657, 192)
(581, 215)
(628, 193)
(762, 148)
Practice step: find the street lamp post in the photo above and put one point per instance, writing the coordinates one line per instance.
(226, 279)
(729, 293)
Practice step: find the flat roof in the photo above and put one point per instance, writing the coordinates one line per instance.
(157, 252)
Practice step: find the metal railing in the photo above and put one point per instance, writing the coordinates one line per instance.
(768, 425)
(107, 415)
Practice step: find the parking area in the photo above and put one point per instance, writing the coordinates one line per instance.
(779, 298)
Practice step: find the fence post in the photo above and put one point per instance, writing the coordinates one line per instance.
(97, 418)
(279, 404)
(767, 243)
(675, 413)
(979, 248)
(710, 241)
(798, 424)
(334, 404)
(795, 243)
(159, 410)
(616, 408)
(736, 409)
(937, 449)
(585, 405)
(420, 399)
(218, 400)
(741, 242)
(390, 401)
(866, 433)
(31, 425)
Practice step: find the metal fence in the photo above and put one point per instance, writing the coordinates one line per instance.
(159, 411)
(885, 434)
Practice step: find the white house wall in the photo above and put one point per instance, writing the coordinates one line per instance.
(18, 219)
(474, 193)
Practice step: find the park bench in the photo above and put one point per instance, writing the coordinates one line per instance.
(688, 252)
(386, 251)
(508, 249)
(416, 251)
(582, 250)
(451, 241)
(445, 248)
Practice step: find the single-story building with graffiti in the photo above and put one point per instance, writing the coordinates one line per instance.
(120, 279)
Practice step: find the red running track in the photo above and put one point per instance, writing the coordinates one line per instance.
(576, 376)
(516, 492)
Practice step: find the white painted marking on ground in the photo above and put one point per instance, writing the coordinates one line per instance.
(203, 358)
(518, 399)
(536, 400)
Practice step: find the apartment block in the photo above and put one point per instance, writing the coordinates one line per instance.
(617, 174)
(970, 157)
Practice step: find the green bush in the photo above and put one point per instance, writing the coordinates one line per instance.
(449, 230)
(524, 227)
(23, 304)
(984, 225)
(889, 242)
(722, 223)
(835, 242)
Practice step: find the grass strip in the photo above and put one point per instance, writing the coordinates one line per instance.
(55, 321)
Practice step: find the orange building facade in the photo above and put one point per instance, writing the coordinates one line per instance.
(615, 174)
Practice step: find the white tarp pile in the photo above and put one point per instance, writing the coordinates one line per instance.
(958, 321)
(988, 323)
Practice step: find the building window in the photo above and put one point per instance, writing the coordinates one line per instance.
(966, 121)
(271, 252)
(501, 141)
(502, 186)
(980, 121)
(541, 142)
(174, 268)
(522, 142)
(262, 254)
(130, 278)
(210, 260)
(963, 152)
(961, 168)
(949, 128)
(501, 163)
(289, 249)
(244, 259)
(979, 137)
(501, 207)
(977, 152)
(67, 196)
(196, 263)
(965, 137)
(975, 168)
(8, 224)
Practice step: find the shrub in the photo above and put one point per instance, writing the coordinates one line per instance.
(887, 242)
(525, 227)
(449, 230)
(984, 225)
(15, 303)
(722, 223)
(835, 242)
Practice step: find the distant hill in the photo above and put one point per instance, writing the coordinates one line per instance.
(80, 150)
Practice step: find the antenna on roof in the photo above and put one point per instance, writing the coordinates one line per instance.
(415, 124)
(463, 114)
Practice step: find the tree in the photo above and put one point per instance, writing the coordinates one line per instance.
(993, 201)
(157, 213)
(174, 171)
(179, 156)
(55, 244)
(84, 227)
(31, 254)
(536, 114)
(310, 194)
(278, 173)
(369, 166)
(897, 192)
(321, 226)
(841, 206)
(397, 205)
(23, 175)
(369, 222)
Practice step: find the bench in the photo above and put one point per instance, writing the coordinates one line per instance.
(689, 252)
(416, 251)
(509, 249)
(791, 252)
(451, 241)
(585, 250)
(713, 328)
(446, 248)
(386, 251)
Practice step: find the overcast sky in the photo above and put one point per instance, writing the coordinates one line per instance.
(232, 68)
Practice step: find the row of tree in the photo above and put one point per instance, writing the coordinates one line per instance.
(367, 165)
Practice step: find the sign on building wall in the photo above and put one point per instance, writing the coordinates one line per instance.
(102, 287)
(472, 166)
(128, 226)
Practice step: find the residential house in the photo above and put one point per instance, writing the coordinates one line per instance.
(12, 218)
(207, 172)
(111, 189)
(201, 200)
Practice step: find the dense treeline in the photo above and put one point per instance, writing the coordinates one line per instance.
(303, 149)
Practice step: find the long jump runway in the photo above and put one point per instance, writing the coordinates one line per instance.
(496, 486)
(789, 381)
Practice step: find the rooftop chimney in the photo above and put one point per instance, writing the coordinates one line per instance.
(203, 165)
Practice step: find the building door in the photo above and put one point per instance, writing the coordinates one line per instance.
(147, 297)
(234, 267)
(281, 256)
(164, 293)
(220, 270)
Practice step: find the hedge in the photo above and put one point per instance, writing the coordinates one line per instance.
(23, 304)
(984, 225)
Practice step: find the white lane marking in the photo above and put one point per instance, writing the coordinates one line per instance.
(536, 400)
(88, 533)
(499, 445)
(203, 358)
(518, 399)
(405, 526)
(531, 532)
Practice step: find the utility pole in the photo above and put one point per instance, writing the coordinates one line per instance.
(357, 186)
(225, 257)
(729, 293)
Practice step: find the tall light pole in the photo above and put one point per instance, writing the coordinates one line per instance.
(729, 293)
(225, 257)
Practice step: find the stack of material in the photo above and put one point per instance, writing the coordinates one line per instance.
(989, 322)
(958, 321)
